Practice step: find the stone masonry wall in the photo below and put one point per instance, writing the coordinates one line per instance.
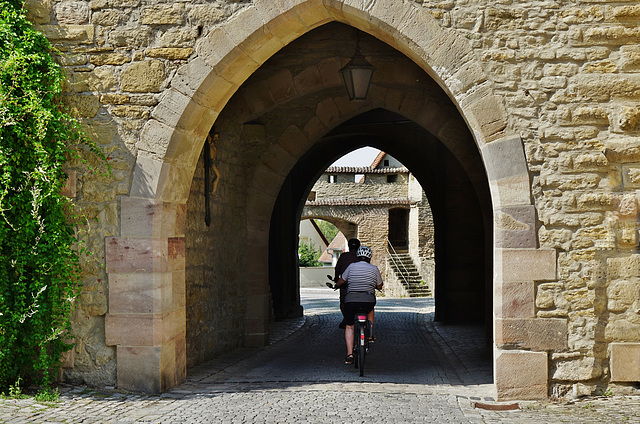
(568, 72)
(375, 186)
(215, 286)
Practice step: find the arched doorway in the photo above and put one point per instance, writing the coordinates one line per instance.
(200, 92)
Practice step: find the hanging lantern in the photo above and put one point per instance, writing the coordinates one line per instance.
(357, 76)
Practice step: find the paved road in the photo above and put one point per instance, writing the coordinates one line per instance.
(417, 372)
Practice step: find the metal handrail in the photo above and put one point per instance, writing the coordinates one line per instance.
(393, 252)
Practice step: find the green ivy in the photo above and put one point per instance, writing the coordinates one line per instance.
(39, 253)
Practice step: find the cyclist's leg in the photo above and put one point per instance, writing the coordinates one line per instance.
(348, 337)
(370, 317)
(348, 331)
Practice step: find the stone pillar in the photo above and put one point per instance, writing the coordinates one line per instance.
(522, 341)
(147, 318)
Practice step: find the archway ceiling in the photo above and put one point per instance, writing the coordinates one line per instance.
(304, 74)
(330, 47)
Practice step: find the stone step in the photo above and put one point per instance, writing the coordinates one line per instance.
(408, 275)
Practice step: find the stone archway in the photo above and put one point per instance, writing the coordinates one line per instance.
(146, 319)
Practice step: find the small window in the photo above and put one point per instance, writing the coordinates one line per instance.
(392, 178)
(359, 178)
(386, 162)
(333, 178)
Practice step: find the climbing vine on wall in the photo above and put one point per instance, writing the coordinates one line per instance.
(39, 253)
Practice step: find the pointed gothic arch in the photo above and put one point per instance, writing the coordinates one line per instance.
(146, 261)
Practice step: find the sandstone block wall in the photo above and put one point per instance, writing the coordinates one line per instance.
(565, 72)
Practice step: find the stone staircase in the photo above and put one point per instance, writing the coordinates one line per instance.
(406, 273)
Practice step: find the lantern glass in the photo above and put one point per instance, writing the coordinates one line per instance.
(357, 76)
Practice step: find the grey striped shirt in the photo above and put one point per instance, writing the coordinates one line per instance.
(361, 277)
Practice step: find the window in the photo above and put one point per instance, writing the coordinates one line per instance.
(333, 178)
(359, 179)
(392, 178)
(386, 162)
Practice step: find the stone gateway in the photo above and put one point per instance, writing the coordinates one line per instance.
(521, 120)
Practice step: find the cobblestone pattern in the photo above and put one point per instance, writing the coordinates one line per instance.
(301, 378)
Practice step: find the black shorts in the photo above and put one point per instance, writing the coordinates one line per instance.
(350, 309)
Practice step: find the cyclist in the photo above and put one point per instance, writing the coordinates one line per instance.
(346, 259)
(362, 280)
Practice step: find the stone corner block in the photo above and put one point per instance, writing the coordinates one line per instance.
(141, 217)
(525, 264)
(489, 116)
(511, 191)
(540, 334)
(521, 375)
(625, 362)
(505, 158)
(151, 369)
(515, 227)
(515, 300)
(144, 255)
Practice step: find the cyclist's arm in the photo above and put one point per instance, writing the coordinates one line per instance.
(344, 277)
(379, 282)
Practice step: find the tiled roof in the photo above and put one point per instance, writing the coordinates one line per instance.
(378, 159)
(338, 243)
(358, 202)
(364, 170)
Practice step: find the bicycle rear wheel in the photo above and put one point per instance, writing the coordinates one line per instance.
(361, 349)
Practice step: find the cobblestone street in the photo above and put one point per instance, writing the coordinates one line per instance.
(418, 371)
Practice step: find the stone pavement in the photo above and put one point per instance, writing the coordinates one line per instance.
(418, 371)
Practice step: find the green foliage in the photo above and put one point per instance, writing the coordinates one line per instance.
(39, 260)
(15, 391)
(308, 255)
(328, 229)
(48, 395)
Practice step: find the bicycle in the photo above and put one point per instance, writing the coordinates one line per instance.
(361, 334)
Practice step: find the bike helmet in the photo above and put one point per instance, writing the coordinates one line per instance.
(364, 252)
